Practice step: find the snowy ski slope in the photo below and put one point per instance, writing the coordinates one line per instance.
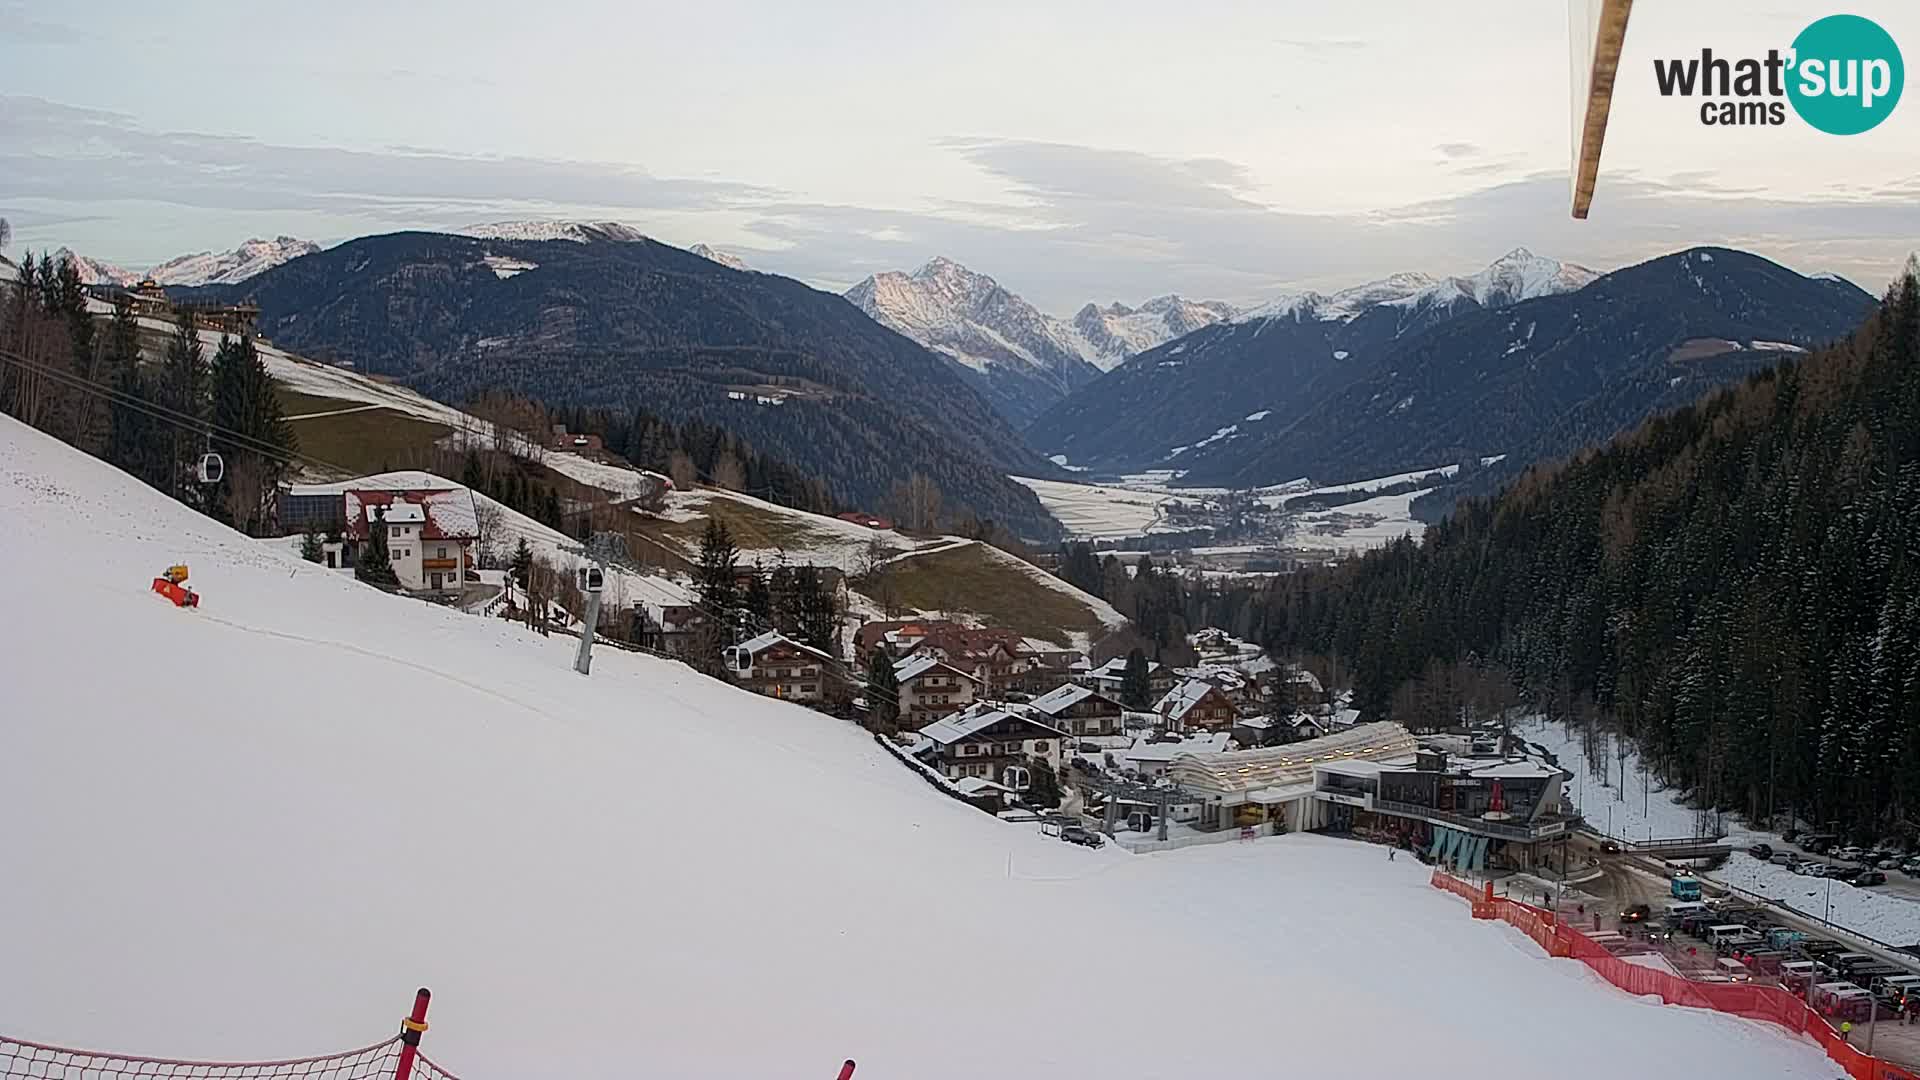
(253, 829)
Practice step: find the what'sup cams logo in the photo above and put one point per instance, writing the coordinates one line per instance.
(1843, 75)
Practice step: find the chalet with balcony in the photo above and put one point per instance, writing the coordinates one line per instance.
(1079, 710)
(989, 743)
(931, 688)
(430, 534)
(777, 666)
(1110, 676)
(1197, 705)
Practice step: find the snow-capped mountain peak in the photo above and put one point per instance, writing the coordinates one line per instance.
(1518, 275)
(253, 257)
(579, 232)
(731, 262)
(967, 315)
(1116, 332)
(93, 271)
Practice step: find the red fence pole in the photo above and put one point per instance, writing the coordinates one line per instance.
(846, 1070)
(410, 1031)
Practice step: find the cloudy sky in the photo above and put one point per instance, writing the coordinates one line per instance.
(1075, 149)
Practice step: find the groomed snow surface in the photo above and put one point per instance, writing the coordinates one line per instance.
(252, 829)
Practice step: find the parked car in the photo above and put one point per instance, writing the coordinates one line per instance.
(1636, 913)
(1761, 851)
(1820, 843)
(1782, 858)
(1609, 847)
(1849, 854)
(1798, 866)
(1911, 867)
(1790, 835)
(1080, 834)
(1820, 869)
(1868, 878)
(1821, 949)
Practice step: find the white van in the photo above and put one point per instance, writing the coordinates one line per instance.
(1683, 908)
(1726, 932)
(1734, 970)
(1902, 984)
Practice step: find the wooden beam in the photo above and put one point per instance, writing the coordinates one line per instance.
(1610, 36)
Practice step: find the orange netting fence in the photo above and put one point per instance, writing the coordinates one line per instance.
(1755, 1002)
(398, 1058)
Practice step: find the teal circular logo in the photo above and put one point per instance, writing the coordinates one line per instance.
(1846, 75)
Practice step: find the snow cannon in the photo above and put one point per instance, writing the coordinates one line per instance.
(172, 585)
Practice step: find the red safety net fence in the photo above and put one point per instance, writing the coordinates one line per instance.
(398, 1058)
(1753, 1001)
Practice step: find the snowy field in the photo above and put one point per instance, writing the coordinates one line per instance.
(1873, 912)
(1134, 507)
(287, 809)
(1392, 519)
(1099, 511)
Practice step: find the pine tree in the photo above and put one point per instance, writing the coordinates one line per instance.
(182, 392)
(714, 577)
(1136, 681)
(817, 615)
(883, 693)
(522, 563)
(758, 600)
(310, 548)
(374, 565)
(136, 441)
(252, 435)
(1045, 785)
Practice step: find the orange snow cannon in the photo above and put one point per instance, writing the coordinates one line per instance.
(172, 585)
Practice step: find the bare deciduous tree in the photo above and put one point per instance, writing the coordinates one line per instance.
(488, 519)
(727, 472)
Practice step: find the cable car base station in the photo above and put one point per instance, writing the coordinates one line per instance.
(1477, 813)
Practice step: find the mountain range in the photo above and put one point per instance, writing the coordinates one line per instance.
(1528, 358)
(1021, 359)
(589, 315)
(202, 268)
(1167, 405)
(1544, 376)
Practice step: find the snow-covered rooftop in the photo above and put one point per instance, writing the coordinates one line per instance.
(1181, 699)
(919, 664)
(1243, 770)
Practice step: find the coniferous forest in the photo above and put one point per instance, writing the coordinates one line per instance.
(1735, 585)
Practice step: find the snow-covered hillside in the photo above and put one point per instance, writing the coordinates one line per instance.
(580, 232)
(1518, 275)
(250, 830)
(229, 267)
(731, 262)
(1116, 332)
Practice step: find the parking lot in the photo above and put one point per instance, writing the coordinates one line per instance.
(1618, 883)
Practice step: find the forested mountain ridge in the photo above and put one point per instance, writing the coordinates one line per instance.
(1736, 585)
(1547, 376)
(799, 374)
